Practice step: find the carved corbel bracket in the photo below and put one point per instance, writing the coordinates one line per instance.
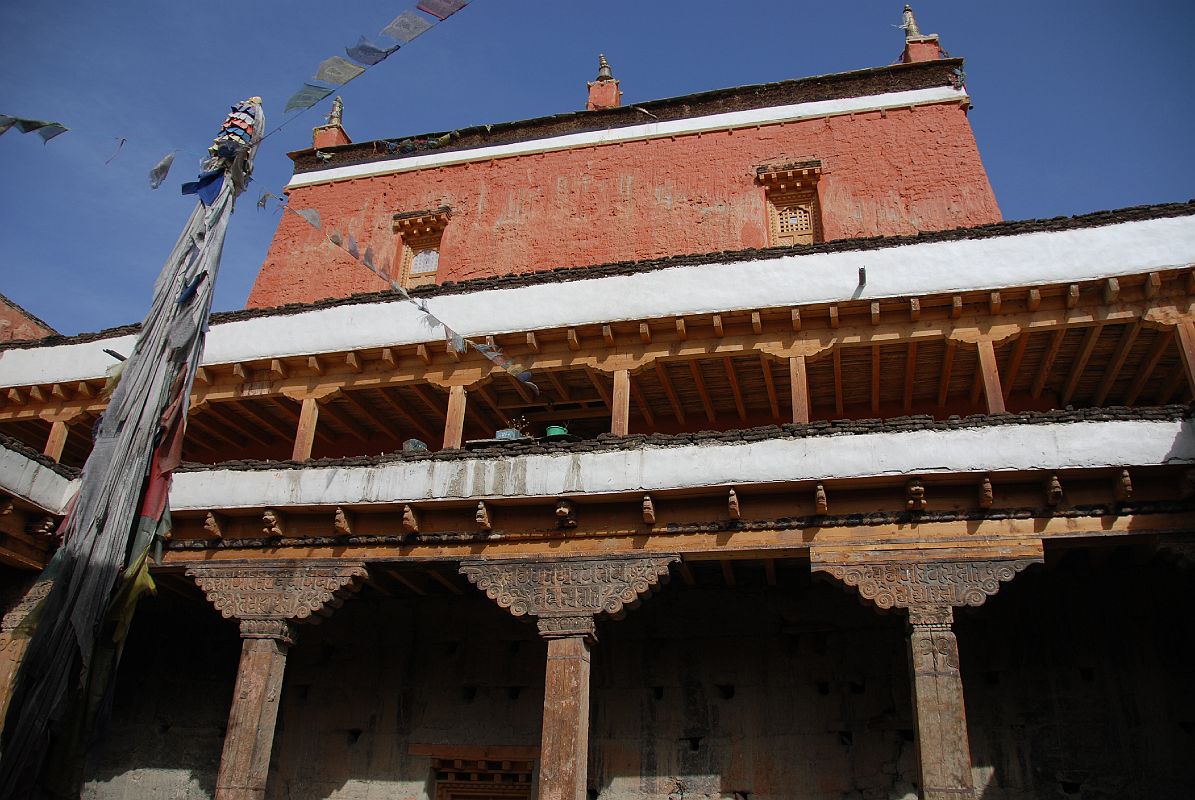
(566, 594)
(268, 598)
(924, 583)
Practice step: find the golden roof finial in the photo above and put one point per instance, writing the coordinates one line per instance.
(909, 23)
(604, 73)
(336, 115)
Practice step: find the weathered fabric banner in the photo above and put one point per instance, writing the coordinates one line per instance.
(306, 97)
(441, 9)
(337, 70)
(406, 26)
(46, 130)
(367, 53)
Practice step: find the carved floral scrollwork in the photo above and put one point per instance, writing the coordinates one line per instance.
(266, 598)
(935, 583)
(566, 592)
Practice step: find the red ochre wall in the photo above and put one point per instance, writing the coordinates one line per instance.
(17, 324)
(883, 173)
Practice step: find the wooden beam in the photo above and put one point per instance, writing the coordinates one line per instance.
(1072, 383)
(574, 341)
(769, 383)
(699, 379)
(314, 365)
(405, 581)
(995, 303)
(382, 425)
(608, 335)
(838, 399)
(454, 422)
(644, 333)
(1112, 370)
(769, 571)
(443, 581)
(389, 358)
(240, 372)
(232, 421)
(756, 323)
(1186, 349)
(429, 403)
(992, 394)
(1111, 291)
(1072, 295)
(305, 434)
(910, 376)
(734, 387)
(1153, 282)
(1047, 363)
(1146, 369)
(278, 370)
(424, 432)
(620, 408)
(264, 420)
(662, 375)
(947, 368)
(649, 510)
(559, 386)
(211, 429)
(914, 309)
(532, 342)
(642, 405)
(1014, 363)
(719, 330)
(681, 332)
(423, 354)
(599, 383)
(833, 316)
(686, 574)
(875, 378)
(796, 318)
(1033, 301)
(956, 306)
(346, 422)
(727, 572)
(1177, 378)
(56, 441)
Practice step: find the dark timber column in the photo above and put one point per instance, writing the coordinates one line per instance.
(267, 598)
(564, 741)
(566, 594)
(930, 584)
(939, 715)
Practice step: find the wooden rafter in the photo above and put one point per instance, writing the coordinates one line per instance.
(1112, 370)
(409, 419)
(875, 376)
(560, 387)
(838, 399)
(769, 383)
(1047, 363)
(699, 380)
(1089, 343)
(947, 368)
(599, 383)
(1156, 351)
(1008, 376)
(229, 418)
(642, 405)
(344, 421)
(208, 427)
(677, 410)
(910, 376)
(734, 387)
(383, 426)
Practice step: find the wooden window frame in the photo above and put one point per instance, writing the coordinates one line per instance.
(419, 231)
(786, 187)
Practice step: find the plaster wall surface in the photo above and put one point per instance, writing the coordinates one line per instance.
(984, 449)
(1074, 674)
(774, 282)
(890, 171)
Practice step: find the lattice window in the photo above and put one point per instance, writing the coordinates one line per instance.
(791, 191)
(420, 233)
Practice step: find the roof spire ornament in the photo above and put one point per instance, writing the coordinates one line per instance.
(604, 73)
(909, 23)
(336, 115)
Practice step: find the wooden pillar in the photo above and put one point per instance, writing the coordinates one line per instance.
(1186, 347)
(564, 740)
(939, 715)
(454, 424)
(305, 435)
(620, 406)
(993, 395)
(800, 389)
(56, 441)
(245, 761)
(566, 594)
(267, 597)
(13, 639)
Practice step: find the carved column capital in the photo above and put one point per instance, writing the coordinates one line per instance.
(268, 597)
(566, 594)
(927, 584)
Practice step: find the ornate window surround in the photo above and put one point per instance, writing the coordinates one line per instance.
(419, 232)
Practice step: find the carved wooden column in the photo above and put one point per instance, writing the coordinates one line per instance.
(267, 599)
(565, 595)
(930, 590)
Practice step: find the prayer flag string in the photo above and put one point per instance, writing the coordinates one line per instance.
(348, 245)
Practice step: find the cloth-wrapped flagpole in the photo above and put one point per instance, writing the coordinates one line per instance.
(120, 511)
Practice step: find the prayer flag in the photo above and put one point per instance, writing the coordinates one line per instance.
(441, 9)
(337, 70)
(351, 246)
(311, 215)
(158, 174)
(207, 187)
(306, 97)
(406, 26)
(6, 122)
(367, 53)
(48, 132)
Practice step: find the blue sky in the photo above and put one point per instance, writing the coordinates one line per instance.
(1079, 106)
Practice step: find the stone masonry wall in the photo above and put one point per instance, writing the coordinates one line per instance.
(884, 173)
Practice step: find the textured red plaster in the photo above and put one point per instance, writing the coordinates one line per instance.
(883, 173)
(18, 324)
(927, 49)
